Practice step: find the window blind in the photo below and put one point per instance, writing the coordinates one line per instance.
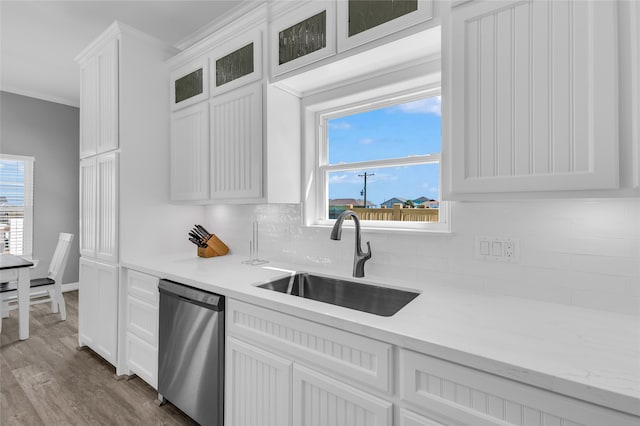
(16, 204)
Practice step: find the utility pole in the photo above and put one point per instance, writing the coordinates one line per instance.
(364, 191)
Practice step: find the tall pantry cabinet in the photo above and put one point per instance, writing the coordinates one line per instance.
(122, 73)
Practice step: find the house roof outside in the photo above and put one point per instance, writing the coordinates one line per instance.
(348, 201)
(418, 201)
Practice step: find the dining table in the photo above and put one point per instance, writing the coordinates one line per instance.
(16, 268)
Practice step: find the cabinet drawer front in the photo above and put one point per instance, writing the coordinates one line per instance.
(142, 359)
(473, 397)
(335, 351)
(142, 320)
(143, 286)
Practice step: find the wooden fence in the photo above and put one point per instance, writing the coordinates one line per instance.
(398, 213)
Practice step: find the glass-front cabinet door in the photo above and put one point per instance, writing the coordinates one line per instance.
(237, 62)
(190, 84)
(302, 36)
(361, 21)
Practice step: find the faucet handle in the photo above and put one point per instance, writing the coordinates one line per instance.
(367, 255)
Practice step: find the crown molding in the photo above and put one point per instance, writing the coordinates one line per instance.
(40, 96)
(243, 8)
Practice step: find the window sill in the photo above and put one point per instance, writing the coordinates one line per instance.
(401, 228)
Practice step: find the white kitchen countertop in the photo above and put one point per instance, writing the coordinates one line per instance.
(586, 354)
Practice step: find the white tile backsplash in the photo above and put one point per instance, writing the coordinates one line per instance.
(577, 252)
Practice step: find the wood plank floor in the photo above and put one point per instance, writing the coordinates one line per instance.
(45, 380)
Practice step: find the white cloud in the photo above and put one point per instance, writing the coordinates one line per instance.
(342, 125)
(423, 106)
(344, 178)
(431, 189)
(352, 177)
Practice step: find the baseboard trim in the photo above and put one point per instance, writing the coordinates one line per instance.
(69, 287)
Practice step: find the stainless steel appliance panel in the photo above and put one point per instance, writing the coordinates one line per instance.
(191, 351)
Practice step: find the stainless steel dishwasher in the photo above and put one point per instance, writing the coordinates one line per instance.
(191, 351)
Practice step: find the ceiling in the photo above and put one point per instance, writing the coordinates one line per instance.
(40, 39)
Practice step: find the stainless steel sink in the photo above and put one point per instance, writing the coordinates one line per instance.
(370, 298)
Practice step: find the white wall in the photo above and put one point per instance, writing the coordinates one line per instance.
(575, 252)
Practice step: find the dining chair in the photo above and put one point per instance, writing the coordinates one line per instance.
(42, 290)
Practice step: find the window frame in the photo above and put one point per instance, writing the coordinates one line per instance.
(316, 130)
(27, 225)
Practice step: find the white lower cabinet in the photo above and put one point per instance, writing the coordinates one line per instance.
(472, 397)
(98, 308)
(321, 400)
(142, 326)
(258, 386)
(279, 383)
(288, 371)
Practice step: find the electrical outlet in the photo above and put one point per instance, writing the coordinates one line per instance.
(509, 249)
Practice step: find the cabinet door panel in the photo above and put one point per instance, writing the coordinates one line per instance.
(190, 153)
(302, 36)
(190, 84)
(360, 22)
(534, 104)
(108, 98)
(88, 300)
(89, 108)
(107, 207)
(236, 144)
(88, 207)
(320, 400)
(258, 390)
(107, 312)
(98, 308)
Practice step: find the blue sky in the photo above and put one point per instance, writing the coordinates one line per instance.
(394, 132)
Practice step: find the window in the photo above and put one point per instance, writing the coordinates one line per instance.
(382, 160)
(16, 204)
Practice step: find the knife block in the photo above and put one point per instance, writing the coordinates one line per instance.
(216, 248)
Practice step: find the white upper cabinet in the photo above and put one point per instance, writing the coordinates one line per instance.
(534, 96)
(190, 153)
(360, 22)
(302, 36)
(190, 83)
(236, 144)
(99, 101)
(225, 147)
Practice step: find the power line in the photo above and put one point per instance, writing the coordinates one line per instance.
(364, 191)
